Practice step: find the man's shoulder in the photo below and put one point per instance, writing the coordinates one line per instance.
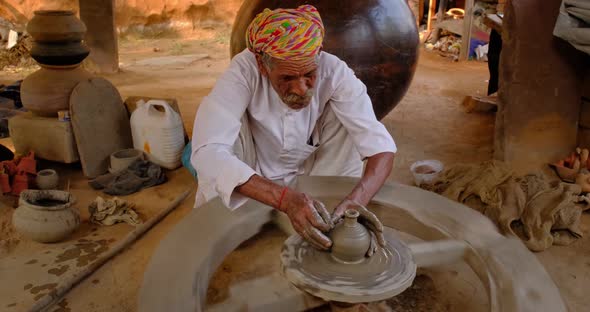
(245, 59)
(330, 63)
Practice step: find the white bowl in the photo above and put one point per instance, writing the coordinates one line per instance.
(426, 171)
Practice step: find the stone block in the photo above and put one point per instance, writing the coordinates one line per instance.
(49, 138)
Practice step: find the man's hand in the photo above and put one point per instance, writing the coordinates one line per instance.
(309, 218)
(366, 218)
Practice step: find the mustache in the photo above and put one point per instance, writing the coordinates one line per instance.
(293, 98)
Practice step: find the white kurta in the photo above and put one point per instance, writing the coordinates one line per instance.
(281, 135)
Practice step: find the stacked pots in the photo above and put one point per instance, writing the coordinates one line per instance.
(59, 49)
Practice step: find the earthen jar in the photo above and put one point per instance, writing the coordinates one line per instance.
(47, 179)
(56, 26)
(350, 239)
(70, 53)
(47, 91)
(46, 216)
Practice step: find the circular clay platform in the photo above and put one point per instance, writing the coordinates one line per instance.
(387, 273)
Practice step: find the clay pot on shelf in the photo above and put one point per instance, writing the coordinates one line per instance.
(56, 26)
(47, 179)
(47, 91)
(46, 216)
(350, 239)
(61, 54)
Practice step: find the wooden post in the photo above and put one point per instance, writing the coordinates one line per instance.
(101, 37)
(431, 7)
(442, 8)
(467, 25)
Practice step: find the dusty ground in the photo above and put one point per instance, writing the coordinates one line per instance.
(428, 123)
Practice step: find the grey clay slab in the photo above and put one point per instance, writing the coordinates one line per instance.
(100, 122)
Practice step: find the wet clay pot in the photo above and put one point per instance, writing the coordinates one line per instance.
(47, 179)
(378, 39)
(46, 216)
(66, 54)
(350, 239)
(56, 26)
(47, 91)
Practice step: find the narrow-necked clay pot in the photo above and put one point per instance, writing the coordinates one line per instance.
(62, 54)
(56, 26)
(46, 216)
(350, 239)
(47, 91)
(47, 179)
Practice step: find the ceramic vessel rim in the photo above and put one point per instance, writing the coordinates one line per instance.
(47, 172)
(68, 195)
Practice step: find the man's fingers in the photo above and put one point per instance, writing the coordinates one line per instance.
(378, 234)
(337, 215)
(308, 239)
(318, 237)
(317, 221)
(373, 246)
(323, 213)
(371, 217)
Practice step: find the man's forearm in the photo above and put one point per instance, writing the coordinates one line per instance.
(376, 172)
(264, 191)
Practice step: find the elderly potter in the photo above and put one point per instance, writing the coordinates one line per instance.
(286, 108)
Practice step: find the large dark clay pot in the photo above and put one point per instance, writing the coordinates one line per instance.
(378, 39)
(59, 54)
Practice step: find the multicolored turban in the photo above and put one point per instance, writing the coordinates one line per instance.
(287, 34)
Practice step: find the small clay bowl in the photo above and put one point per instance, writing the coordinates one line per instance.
(122, 159)
(47, 179)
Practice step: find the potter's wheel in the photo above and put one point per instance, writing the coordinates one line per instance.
(390, 271)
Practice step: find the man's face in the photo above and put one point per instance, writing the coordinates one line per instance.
(292, 80)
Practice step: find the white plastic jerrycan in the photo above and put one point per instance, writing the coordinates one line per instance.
(157, 130)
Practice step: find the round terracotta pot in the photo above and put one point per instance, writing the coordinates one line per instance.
(46, 216)
(47, 91)
(56, 26)
(47, 179)
(59, 54)
(350, 239)
(378, 39)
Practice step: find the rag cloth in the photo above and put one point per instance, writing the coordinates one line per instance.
(111, 211)
(573, 24)
(547, 213)
(286, 34)
(139, 175)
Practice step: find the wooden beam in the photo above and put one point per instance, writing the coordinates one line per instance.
(467, 25)
(431, 7)
(442, 8)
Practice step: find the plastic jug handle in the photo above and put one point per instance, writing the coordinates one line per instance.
(152, 103)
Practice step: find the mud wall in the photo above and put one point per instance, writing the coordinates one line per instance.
(137, 13)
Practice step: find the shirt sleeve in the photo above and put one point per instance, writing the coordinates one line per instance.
(354, 109)
(216, 129)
